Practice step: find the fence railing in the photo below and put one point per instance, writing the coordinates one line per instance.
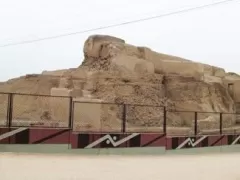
(25, 110)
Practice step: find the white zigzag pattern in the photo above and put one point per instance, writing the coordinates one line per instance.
(193, 144)
(108, 137)
(11, 133)
(236, 140)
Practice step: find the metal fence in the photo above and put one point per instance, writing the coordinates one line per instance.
(25, 110)
(97, 117)
(3, 109)
(140, 118)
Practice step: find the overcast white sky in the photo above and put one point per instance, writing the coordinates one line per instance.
(209, 35)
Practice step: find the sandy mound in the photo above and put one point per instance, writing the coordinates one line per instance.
(116, 72)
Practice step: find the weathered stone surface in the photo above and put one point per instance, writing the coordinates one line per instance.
(134, 64)
(219, 72)
(212, 79)
(93, 45)
(236, 91)
(116, 72)
(66, 92)
(55, 73)
(183, 68)
(208, 70)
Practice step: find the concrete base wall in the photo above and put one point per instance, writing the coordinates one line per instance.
(66, 149)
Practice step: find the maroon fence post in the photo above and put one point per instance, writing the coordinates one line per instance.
(124, 116)
(164, 120)
(195, 124)
(221, 125)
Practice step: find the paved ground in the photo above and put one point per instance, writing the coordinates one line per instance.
(170, 167)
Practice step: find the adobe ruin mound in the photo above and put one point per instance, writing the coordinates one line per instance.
(117, 72)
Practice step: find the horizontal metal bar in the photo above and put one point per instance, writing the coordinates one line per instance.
(40, 95)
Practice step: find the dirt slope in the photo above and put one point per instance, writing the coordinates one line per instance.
(114, 71)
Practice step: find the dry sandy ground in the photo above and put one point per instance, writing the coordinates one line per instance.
(49, 167)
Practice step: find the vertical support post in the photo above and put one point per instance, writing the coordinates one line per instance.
(124, 118)
(9, 114)
(195, 124)
(70, 121)
(221, 125)
(70, 124)
(9, 110)
(164, 120)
